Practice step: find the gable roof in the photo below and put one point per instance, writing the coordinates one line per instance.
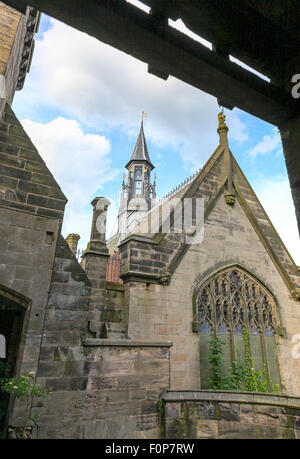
(222, 174)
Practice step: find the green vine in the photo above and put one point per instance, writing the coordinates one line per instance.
(252, 377)
(256, 381)
(239, 377)
(24, 389)
(220, 380)
(160, 406)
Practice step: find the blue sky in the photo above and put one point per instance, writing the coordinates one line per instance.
(81, 105)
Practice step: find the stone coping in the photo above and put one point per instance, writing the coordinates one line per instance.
(125, 343)
(94, 252)
(256, 398)
(116, 286)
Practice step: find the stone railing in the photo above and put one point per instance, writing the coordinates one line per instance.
(228, 414)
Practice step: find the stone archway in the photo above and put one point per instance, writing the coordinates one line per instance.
(14, 311)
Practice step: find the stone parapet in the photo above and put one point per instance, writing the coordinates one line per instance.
(230, 414)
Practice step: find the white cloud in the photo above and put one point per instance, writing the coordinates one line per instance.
(105, 88)
(275, 196)
(267, 145)
(80, 164)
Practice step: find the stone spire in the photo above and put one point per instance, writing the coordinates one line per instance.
(222, 131)
(138, 194)
(140, 152)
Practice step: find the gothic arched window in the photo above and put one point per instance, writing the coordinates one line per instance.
(227, 303)
(138, 176)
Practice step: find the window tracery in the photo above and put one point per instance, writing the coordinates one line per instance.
(228, 302)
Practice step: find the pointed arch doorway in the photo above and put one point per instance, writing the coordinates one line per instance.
(14, 314)
(230, 302)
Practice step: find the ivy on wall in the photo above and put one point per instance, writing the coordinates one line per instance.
(238, 377)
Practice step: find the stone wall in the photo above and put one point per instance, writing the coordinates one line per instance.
(25, 181)
(166, 311)
(67, 309)
(234, 415)
(27, 249)
(32, 207)
(99, 388)
(107, 391)
(9, 22)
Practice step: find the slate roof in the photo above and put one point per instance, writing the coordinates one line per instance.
(140, 152)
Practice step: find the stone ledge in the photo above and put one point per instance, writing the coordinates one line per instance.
(256, 398)
(115, 286)
(93, 252)
(125, 343)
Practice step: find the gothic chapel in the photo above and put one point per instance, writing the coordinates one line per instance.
(149, 335)
(127, 354)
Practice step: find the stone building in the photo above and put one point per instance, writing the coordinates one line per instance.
(129, 359)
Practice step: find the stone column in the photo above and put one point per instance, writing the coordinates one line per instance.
(290, 136)
(72, 241)
(94, 262)
(97, 240)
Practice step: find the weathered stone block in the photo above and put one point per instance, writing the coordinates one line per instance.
(148, 407)
(66, 384)
(207, 429)
(227, 412)
(128, 381)
(52, 369)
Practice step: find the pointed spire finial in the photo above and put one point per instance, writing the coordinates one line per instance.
(140, 152)
(222, 131)
(222, 128)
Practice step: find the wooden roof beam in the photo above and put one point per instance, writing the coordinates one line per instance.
(241, 29)
(170, 52)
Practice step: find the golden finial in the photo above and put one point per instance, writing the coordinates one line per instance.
(222, 123)
(124, 176)
(144, 115)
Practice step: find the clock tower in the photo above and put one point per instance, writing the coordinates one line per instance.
(138, 194)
